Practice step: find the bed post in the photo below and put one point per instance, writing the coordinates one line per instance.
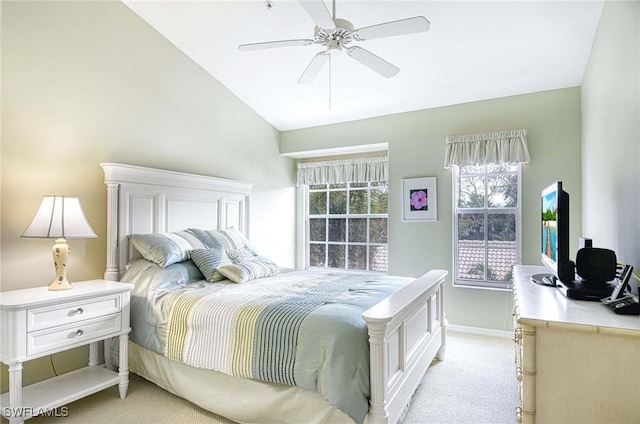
(378, 361)
(112, 271)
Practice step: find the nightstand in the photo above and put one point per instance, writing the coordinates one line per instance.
(37, 322)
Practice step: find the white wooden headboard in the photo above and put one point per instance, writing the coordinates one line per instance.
(146, 200)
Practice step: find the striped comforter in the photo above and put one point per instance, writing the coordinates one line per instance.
(299, 328)
(252, 330)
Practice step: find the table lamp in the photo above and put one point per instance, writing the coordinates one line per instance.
(60, 217)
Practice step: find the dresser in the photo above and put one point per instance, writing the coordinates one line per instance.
(38, 322)
(576, 361)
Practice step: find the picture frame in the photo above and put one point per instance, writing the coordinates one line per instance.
(419, 199)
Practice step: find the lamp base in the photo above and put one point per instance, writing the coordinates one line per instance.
(60, 285)
(60, 252)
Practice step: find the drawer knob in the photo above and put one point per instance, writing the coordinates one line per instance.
(79, 311)
(79, 333)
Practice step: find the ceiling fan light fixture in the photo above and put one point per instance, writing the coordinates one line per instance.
(334, 46)
(336, 34)
(342, 33)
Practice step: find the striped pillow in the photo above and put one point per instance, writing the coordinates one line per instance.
(239, 255)
(165, 249)
(209, 260)
(256, 267)
(229, 239)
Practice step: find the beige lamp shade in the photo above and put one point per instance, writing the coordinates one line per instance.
(60, 217)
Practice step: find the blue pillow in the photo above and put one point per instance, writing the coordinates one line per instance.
(165, 249)
(209, 260)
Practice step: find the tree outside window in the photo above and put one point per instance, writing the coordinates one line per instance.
(487, 224)
(347, 226)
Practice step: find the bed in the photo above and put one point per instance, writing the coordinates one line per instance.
(401, 320)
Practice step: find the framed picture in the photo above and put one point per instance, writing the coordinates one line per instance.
(419, 199)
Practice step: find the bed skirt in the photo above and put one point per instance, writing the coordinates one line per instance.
(238, 399)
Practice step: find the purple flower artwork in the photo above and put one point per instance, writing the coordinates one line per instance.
(419, 200)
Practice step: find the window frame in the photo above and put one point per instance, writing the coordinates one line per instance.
(517, 211)
(346, 216)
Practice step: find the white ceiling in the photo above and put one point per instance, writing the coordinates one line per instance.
(475, 50)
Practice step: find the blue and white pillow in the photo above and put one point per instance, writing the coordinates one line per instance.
(209, 261)
(256, 267)
(165, 249)
(228, 239)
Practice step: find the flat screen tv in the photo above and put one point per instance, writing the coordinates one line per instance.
(555, 233)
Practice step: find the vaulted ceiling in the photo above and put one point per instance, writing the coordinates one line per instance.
(474, 50)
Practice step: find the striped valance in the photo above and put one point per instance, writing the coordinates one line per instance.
(357, 170)
(508, 146)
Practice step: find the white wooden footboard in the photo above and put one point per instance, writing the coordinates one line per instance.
(406, 331)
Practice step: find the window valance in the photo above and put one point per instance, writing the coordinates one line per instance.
(358, 170)
(508, 146)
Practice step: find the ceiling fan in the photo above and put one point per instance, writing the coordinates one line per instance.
(338, 34)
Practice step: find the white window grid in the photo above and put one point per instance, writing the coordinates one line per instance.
(346, 188)
(486, 211)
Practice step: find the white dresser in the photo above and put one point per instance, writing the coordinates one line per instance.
(37, 322)
(576, 361)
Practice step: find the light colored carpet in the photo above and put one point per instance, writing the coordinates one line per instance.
(145, 403)
(475, 384)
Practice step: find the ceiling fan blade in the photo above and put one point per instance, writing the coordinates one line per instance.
(274, 44)
(319, 13)
(313, 68)
(372, 61)
(390, 29)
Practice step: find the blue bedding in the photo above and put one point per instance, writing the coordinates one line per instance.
(301, 328)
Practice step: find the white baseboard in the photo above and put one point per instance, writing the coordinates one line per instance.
(480, 331)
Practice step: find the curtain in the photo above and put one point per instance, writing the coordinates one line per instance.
(508, 146)
(358, 170)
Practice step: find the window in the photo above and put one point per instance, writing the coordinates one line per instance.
(347, 226)
(486, 224)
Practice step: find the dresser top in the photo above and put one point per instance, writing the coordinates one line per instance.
(543, 305)
(39, 296)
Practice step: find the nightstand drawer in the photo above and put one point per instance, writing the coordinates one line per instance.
(66, 313)
(55, 338)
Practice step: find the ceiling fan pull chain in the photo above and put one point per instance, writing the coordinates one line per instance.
(330, 81)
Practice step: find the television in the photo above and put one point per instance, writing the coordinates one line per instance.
(554, 249)
(554, 244)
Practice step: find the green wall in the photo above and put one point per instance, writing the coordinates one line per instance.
(611, 133)
(416, 149)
